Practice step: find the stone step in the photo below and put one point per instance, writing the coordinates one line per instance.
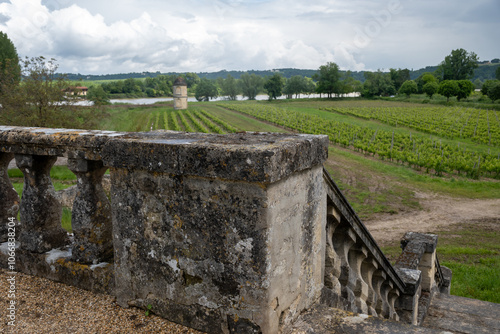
(321, 319)
(463, 315)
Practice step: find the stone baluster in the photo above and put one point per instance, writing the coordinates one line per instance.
(368, 268)
(343, 240)
(91, 216)
(391, 299)
(383, 308)
(357, 255)
(9, 203)
(332, 261)
(379, 277)
(40, 209)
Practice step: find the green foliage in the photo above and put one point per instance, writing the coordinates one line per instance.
(147, 313)
(349, 84)
(98, 96)
(10, 71)
(423, 79)
(44, 99)
(431, 88)
(130, 87)
(192, 79)
(230, 87)
(417, 151)
(378, 84)
(448, 88)
(205, 90)
(465, 88)
(408, 87)
(497, 73)
(491, 88)
(328, 79)
(459, 65)
(274, 86)
(250, 85)
(295, 86)
(399, 77)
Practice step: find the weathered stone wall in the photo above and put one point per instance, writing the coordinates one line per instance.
(240, 253)
(220, 233)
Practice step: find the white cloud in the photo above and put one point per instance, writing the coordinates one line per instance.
(113, 36)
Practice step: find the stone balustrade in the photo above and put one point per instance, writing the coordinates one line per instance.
(358, 277)
(223, 233)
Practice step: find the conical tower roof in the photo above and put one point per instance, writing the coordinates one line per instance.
(180, 82)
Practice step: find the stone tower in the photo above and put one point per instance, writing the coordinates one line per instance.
(180, 94)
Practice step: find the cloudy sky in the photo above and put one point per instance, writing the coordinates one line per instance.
(119, 36)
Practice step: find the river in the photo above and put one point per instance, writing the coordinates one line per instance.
(153, 100)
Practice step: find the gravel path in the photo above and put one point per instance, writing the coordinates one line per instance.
(44, 306)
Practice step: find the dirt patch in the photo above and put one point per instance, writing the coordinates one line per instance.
(438, 213)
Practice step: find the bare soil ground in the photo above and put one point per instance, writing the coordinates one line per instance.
(437, 213)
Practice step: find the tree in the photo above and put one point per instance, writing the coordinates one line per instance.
(328, 78)
(459, 65)
(349, 84)
(45, 99)
(491, 88)
(424, 78)
(10, 71)
(431, 88)
(408, 87)
(448, 88)
(192, 79)
(377, 84)
(295, 85)
(497, 73)
(250, 85)
(310, 86)
(399, 77)
(494, 91)
(98, 96)
(230, 87)
(205, 90)
(274, 86)
(465, 88)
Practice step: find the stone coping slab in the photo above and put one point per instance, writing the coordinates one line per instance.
(248, 156)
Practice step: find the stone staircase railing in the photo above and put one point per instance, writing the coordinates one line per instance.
(233, 233)
(358, 276)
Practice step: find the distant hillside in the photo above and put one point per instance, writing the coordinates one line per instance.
(483, 72)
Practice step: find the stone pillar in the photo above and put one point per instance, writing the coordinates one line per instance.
(427, 266)
(91, 215)
(40, 209)
(9, 203)
(222, 234)
(407, 304)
